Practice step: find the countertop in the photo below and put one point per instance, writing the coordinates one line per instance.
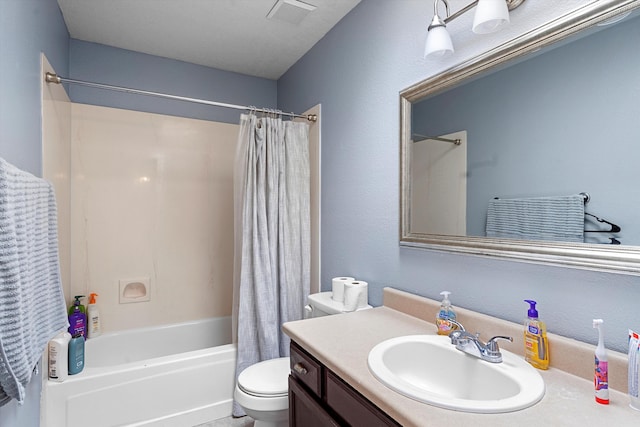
(342, 343)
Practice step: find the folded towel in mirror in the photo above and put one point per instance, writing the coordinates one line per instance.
(538, 218)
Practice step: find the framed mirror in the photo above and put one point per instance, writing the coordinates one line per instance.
(551, 113)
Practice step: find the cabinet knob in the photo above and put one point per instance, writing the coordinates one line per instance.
(299, 369)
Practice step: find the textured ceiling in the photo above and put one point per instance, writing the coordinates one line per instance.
(232, 35)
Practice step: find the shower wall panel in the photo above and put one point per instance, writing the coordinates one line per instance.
(152, 197)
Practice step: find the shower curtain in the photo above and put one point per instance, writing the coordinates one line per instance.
(272, 236)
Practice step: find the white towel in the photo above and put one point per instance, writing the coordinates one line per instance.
(32, 307)
(540, 218)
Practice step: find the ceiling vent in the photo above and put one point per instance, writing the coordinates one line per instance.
(291, 11)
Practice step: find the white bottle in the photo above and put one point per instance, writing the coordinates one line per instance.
(94, 327)
(601, 376)
(58, 357)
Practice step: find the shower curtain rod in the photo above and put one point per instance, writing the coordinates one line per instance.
(54, 78)
(456, 141)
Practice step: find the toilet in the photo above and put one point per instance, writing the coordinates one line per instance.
(262, 389)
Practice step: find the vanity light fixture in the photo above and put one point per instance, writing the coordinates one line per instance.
(490, 16)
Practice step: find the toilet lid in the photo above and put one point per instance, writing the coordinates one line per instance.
(266, 378)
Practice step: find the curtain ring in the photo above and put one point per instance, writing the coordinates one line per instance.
(253, 111)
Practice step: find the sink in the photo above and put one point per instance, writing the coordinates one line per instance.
(428, 368)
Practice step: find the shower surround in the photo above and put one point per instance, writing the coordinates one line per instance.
(151, 197)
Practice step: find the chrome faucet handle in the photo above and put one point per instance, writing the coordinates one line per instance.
(460, 337)
(471, 344)
(492, 344)
(455, 336)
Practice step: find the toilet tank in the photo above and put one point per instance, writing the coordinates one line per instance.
(321, 304)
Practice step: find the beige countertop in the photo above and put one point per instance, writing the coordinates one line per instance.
(342, 343)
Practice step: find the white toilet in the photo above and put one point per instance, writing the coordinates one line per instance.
(262, 389)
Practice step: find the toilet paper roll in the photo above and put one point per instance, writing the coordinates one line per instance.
(355, 295)
(337, 287)
(363, 301)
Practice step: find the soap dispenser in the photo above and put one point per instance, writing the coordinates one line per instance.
(445, 314)
(536, 345)
(77, 303)
(94, 325)
(77, 319)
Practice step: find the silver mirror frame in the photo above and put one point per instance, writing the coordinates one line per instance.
(606, 258)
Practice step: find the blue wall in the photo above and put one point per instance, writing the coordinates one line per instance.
(27, 27)
(357, 71)
(108, 65)
(575, 104)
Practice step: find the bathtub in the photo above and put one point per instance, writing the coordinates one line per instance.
(177, 375)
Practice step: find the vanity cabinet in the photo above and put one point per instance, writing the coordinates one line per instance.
(319, 398)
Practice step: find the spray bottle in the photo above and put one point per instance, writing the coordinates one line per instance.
(601, 376)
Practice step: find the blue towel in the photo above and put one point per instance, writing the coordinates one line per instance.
(541, 218)
(32, 307)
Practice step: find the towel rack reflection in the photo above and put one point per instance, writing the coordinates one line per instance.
(422, 138)
(613, 228)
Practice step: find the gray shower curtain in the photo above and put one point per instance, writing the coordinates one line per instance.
(272, 235)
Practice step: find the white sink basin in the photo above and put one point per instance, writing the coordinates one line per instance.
(428, 368)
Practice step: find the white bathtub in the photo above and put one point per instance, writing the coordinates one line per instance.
(177, 375)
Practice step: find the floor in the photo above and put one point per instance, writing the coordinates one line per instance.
(229, 422)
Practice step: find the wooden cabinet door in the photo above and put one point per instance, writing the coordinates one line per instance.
(304, 410)
(352, 407)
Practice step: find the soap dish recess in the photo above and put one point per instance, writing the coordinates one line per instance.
(134, 290)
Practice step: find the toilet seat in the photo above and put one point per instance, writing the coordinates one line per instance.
(263, 395)
(251, 403)
(266, 379)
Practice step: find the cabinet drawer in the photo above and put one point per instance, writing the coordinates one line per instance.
(306, 369)
(352, 407)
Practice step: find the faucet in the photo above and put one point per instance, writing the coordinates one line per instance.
(471, 344)
(458, 324)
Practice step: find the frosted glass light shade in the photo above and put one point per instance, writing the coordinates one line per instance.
(490, 16)
(438, 42)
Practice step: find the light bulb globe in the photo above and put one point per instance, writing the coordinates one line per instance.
(438, 42)
(490, 16)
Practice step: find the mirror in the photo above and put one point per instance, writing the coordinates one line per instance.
(548, 114)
